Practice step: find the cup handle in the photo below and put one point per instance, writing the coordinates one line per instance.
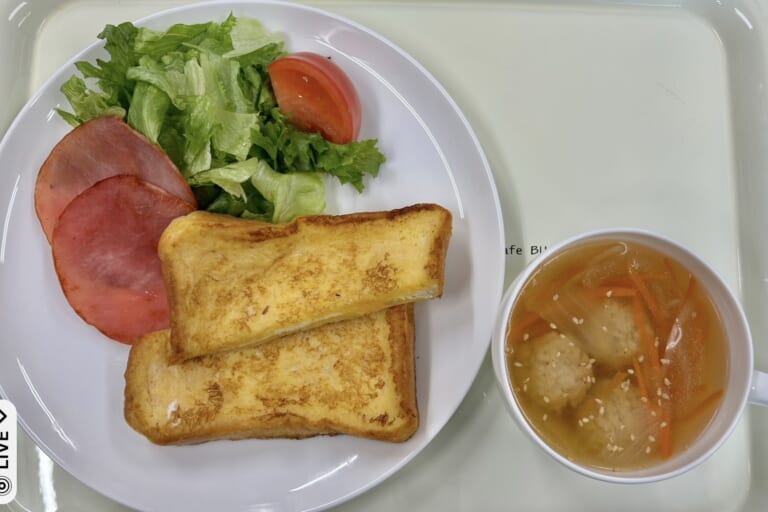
(758, 391)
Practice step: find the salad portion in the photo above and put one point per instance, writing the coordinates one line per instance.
(206, 94)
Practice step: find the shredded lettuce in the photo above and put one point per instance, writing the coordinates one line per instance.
(202, 93)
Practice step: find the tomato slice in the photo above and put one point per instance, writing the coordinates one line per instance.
(318, 96)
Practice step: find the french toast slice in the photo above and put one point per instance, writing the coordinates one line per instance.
(235, 282)
(353, 377)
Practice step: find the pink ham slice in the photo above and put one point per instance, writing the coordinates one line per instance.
(105, 253)
(98, 149)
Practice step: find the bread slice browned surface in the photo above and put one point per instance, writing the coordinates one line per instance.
(353, 377)
(235, 282)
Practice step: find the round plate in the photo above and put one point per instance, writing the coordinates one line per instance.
(66, 379)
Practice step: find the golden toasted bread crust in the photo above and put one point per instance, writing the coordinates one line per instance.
(234, 282)
(351, 377)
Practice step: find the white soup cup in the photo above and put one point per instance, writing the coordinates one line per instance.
(743, 383)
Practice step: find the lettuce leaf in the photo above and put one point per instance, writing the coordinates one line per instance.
(290, 194)
(148, 108)
(86, 103)
(202, 93)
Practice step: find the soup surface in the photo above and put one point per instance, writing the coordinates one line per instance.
(616, 355)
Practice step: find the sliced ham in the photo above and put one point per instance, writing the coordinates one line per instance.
(95, 150)
(105, 253)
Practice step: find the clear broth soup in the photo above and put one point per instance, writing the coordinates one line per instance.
(617, 356)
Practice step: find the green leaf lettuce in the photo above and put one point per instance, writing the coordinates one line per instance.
(202, 92)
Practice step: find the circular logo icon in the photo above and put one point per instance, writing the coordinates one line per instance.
(5, 486)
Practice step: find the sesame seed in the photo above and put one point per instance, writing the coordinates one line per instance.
(525, 388)
(526, 336)
(632, 437)
(656, 343)
(555, 296)
(664, 424)
(653, 413)
(614, 448)
(544, 418)
(622, 426)
(585, 420)
(604, 328)
(599, 401)
(552, 326)
(658, 391)
(575, 320)
(562, 335)
(609, 293)
(558, 354)
(664, 361)
(571, 344)
(630, 371)
(581, 321)
(581, 423)
(665, 396)
(647, 449)
(592, 361)
(546, 399)
(651, 439)
(667, 382)
(527, 379)
(643, 399)
(640, 358)
(602, 410)
(518, 364)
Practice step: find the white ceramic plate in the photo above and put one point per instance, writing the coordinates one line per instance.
(66, 379)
